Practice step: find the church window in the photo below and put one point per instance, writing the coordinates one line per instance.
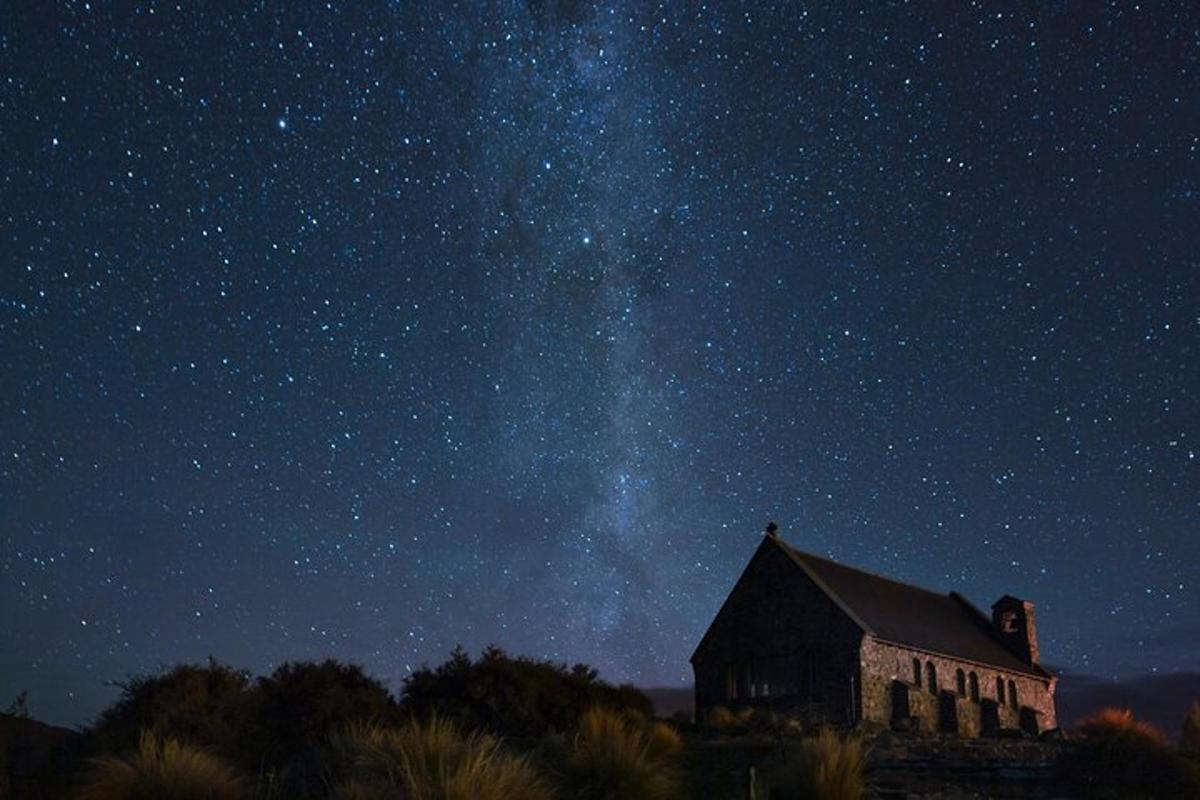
(1012, 694)
(917, 671)
(960, 682)
(931, 677)
(974, 688)
(999, 690)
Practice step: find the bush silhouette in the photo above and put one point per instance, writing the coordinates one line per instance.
(160, 768)
(207, 706)
(302, 703)
(434, 761)
(1119, 757)
(275, 728)
(617, 756)
(513, 697)
(300, 707)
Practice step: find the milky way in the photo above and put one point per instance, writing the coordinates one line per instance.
(332, 330)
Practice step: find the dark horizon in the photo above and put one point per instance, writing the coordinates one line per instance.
(364, 332)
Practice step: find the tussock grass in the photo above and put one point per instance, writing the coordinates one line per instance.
(616, 758)
(826, 766)
(1189, 737)
(663, 742)
(1120, 758)
(434, 761)
(722, 718)
(160, 768)
(1119, 724)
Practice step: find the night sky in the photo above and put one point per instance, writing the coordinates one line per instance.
(364, 330)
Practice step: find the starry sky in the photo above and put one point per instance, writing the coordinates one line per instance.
(364, 330)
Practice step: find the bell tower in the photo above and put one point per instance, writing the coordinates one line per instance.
(1013, 621)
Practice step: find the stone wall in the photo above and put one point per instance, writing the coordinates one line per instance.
(775, 613)
(883, 664)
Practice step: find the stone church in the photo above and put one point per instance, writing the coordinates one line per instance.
(811, 637)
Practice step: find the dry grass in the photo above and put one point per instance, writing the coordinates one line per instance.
(663, 743)
(1189, 737)
(827, 767)
(615, 758)
(1119, 758)
(160, 768)
(435, 761)
(1118, 723)
(722, 718)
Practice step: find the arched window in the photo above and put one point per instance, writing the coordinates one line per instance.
(974, 688)
(930, 677)
(960, 682)
(917, 671)
(999, 690)
(1012, 694)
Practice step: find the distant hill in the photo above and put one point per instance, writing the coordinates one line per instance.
(1161, 700)
(34, 756)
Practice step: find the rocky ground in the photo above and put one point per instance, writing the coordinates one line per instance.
(944, 768)
(902, 766)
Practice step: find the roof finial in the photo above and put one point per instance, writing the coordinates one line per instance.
(772, 529)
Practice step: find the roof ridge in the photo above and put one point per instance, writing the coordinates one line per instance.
(906, 614)
(876, 575)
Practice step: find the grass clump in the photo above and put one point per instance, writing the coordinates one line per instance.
(1189, 737)
(616, 757)
(826, 766)
(663, 742)
(723, 718)
(160, 767)
(1118, 724)
(434, 761)
(1118, 757)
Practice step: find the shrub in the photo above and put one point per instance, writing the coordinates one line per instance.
(1119, 757)
(208, 706)
(724, 719)
(1189, 737)
(275, 728)
(616, 758)
(301, 707)
(160, 768)
(513, 697)
(303, 703)
(434, 761)
(721, 718)
(1118, 723)
(826, 767)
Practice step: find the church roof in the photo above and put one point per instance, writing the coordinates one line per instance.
(946, 624)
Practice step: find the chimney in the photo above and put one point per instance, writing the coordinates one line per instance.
(1013, 621)
(772, 530)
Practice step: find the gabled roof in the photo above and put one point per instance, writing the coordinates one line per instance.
(906, 615)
